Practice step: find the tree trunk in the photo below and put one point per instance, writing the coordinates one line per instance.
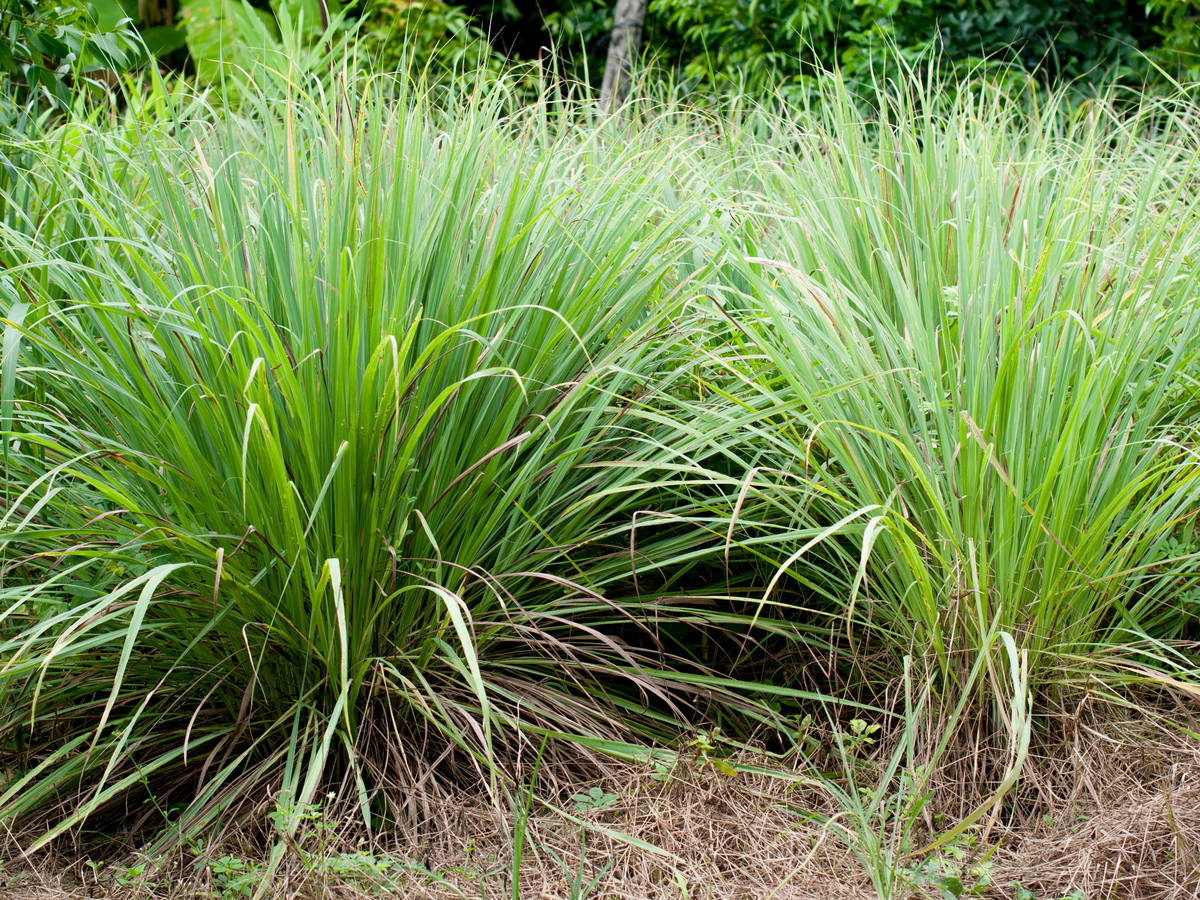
(626, 39)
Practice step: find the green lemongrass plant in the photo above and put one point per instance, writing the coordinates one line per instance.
(305, 420)
(964, 337)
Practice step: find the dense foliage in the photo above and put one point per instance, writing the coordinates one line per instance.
(375, 418)
(357, 441)
(765, 44)
(759, 45)
(48, 49)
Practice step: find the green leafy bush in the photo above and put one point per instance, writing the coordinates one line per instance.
(430, 36)
(762, 45)
(49, 50)
(1180, 30)
(234, 43)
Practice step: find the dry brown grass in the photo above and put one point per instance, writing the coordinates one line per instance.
(716, 837)
(1111, 810)
(1119, 813)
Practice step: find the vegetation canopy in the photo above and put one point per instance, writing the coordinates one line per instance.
(369, 440)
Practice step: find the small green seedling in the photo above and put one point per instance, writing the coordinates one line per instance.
(131, 875)
(862, 734)
(593, 799)
(704, 747)
(233, 876)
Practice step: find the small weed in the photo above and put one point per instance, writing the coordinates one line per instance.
(958, 871)
(704, 747)
(232, 876)
(593, 799)
(357, 864)
(662, 771)
(1023, 893)
(861, 736)
(129, 876)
